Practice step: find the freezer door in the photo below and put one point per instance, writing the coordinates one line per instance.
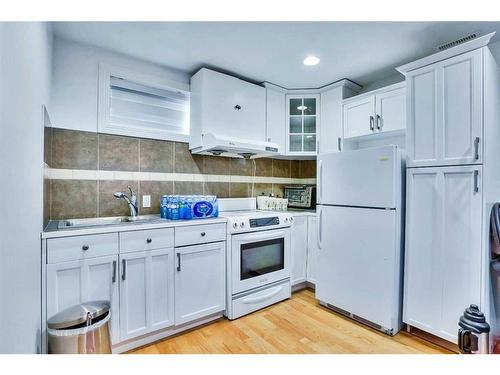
(359, 265)
(366, 178)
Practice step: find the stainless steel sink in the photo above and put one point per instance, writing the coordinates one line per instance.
(104, 221)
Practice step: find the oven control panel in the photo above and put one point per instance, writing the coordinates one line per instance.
(264, 222)
(251, 224)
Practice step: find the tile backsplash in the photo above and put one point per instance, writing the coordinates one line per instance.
(84, 169)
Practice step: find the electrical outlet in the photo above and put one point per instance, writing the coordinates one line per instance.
(146, 201)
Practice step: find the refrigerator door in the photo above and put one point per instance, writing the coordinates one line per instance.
(365, 178)
(359, 265)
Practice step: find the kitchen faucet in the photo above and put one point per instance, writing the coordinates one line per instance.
(131, 201)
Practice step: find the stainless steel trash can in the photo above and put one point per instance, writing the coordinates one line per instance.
(80, 329)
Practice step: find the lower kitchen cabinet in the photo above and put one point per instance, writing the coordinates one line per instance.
(443, 247)
(146, 292)
(200, 281)
(304, 249)
(73, 282)
(299, 250)
(312, 249)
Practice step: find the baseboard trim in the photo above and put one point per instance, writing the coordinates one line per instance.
(432, 338)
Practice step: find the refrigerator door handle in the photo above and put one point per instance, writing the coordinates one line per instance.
(319, 233)
(320, 180)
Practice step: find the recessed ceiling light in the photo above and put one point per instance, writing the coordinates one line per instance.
(311, 60)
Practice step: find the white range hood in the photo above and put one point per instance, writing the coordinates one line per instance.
(230, 146)
(228, 117)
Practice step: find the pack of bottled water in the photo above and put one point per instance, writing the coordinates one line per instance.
(187, 207)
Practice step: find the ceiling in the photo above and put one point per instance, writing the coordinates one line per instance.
(273, 51)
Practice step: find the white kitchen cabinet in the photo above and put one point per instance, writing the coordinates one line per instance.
(390, 110)
(330, 134)
(299, 249)
(200, 281)
(77, 281)
(276, 116)
(312, 249)
(226, 106)
(445, 112)
(303, 117)
(443, 247)
(358, 116)
(382, 111)
(146, 292)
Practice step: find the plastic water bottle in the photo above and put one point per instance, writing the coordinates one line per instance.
(164, 207)
(175, 208)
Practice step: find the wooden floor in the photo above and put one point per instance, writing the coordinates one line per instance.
(298, 325)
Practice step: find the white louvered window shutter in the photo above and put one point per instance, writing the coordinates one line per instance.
(139, 106)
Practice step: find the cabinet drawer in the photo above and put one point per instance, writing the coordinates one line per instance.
(195, 234)
(81, 247)
(141, 240)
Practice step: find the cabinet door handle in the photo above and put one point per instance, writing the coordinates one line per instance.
(113, 279)
(124, 271)
(237, 107)
(178, 261)
(476, 181)
(379, 124)
(339, 143)
(372, 126)
(476, 148)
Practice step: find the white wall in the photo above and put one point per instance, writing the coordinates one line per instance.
(25, 68)
(75, 81)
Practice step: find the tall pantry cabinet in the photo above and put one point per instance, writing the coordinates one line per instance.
(453, 179)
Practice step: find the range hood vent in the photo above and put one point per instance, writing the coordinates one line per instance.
(214, 144)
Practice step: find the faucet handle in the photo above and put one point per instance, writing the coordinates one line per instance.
(133, 195)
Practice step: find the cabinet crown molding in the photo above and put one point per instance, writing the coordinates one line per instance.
(342, 82)
(443, 55)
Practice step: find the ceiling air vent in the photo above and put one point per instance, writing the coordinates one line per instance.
(455, 43)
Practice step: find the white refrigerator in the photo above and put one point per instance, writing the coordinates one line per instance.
(360, 211)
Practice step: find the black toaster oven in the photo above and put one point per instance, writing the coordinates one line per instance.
(301, 196)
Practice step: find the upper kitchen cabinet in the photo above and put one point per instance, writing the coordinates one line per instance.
(330, 133)
(306, 122)
(227, 114)
(445, 112)
(276, 115)
(377, 112)
(302, 124)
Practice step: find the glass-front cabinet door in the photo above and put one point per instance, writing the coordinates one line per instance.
(302, 123)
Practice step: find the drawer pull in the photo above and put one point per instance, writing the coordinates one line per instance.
(203, 234)
(149, 240)
(85, 247)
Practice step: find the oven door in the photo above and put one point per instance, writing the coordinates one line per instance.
(259, 258)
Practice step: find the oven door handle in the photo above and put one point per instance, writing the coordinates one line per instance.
(262, 236)
(252, 300)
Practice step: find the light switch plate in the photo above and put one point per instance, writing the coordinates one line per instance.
(146, 201)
